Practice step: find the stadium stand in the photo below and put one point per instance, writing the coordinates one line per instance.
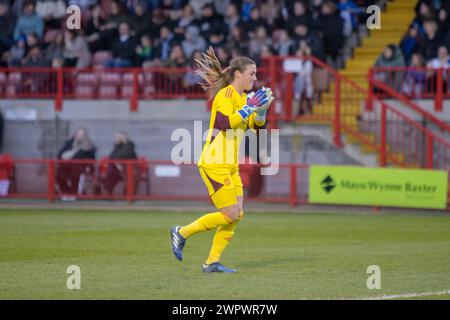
(324, 77)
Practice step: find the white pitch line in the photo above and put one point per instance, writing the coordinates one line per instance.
(407, 295)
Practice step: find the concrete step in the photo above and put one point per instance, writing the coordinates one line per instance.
(360, 63)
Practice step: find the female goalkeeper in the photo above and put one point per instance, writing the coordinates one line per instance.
(232, 113)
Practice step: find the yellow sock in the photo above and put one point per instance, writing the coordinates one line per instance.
(207, 222)
(222, 238)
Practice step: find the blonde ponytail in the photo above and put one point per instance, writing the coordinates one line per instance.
(214, 78)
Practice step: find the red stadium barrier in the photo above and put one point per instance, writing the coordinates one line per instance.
(148, 180)
(145, 180)
(338, 101)
(414, 83)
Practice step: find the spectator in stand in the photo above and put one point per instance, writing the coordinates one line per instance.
(52, 12)
(187, 17)
(159, 20)
(299, 16)
(210, 22)
(259, 40)
(79, 147)
(282, 43)
(191, 78)
(216, 40)
(314, 42)
(177, 59)
(55, 49)
(442, 61)
(29, 22)
(303, 85)
(222, 5)
(93, 28)
(270, 11)
(164, 44)
(443, 22)
(430, 41)
(232, 18)
(18, 51)
(197, 6)
(424, 11)
(33, 40)
(223, 56)
(237, 41)
(193, 41)
(315, 9)
(409, 43)
(330, 27)
(185, 21)
(35, 58)
(123, 49)
(246, 9)
(349, 13)
(76, 50)
(109, 30)
(255, 22)
(390, 58)
(415, 77)
(145, 51)
(142, 21)
(124, 149)
(7, 23)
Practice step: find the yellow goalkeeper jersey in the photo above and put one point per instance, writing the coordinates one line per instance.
(226, 130)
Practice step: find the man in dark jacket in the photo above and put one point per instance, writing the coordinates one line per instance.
(116, 171)
(123, 48)
(329, 25)
(8, 22)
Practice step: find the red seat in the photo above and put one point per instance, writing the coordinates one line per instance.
(84, 91)
(126, 91)
(2, 78)
(11, 91)
(14, 78)
(110, 78)
(100, 57)
(107, 91)
(87, 79)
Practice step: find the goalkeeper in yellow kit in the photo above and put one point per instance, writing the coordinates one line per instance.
(233, 112)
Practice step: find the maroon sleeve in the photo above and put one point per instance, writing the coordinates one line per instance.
(222, 122)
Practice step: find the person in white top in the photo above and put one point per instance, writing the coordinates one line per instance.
(442, 61)
(303, 85)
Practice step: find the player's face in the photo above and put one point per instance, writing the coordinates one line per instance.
(248, 77)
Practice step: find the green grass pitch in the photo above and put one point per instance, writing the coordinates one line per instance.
(127, 255)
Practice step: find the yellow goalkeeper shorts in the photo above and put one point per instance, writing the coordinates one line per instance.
(224, 185)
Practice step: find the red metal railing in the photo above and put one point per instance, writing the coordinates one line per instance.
(378, 126)
(91, 179)
(336, 100)
(414, 83)
(42, 179)
(131, 84)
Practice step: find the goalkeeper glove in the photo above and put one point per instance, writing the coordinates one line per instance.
(253, 103)
(262, 111)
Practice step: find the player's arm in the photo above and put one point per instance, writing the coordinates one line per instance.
(227, 119)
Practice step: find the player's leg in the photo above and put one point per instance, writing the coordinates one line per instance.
(225, 233)
(223, 196)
